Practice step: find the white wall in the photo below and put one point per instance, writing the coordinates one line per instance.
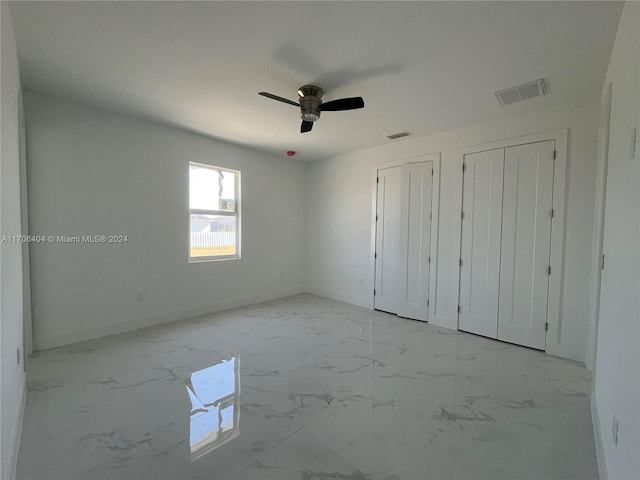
(95, 172)
(340, 215)
(13, 387)
(617, 372)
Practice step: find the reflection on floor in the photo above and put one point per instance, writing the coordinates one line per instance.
(304, 388)
(214, 393)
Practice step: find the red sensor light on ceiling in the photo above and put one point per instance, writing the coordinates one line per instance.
(291, 153)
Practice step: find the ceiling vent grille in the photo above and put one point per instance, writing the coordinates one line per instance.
(529, 90)
(398, 135)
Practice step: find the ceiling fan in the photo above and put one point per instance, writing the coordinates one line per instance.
(311, 104)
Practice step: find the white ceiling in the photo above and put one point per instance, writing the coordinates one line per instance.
(420, 66)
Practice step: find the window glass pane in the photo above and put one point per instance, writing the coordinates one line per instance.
(213, 235)
(228, 192)
(211, 189)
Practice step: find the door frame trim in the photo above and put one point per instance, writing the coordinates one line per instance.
(559, 201)
(604, 129)
(27, 312)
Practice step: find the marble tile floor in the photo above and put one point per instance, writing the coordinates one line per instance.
(304, 388)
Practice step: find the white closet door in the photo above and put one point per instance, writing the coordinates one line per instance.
(387, 239)
(526, 241)
(415, 240)
(480, 248)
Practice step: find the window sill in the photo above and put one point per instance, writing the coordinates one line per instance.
(217, 258)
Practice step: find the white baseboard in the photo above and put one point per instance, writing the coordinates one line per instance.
(597, 433)
(353, 300)
(69, 337)
(9, 470)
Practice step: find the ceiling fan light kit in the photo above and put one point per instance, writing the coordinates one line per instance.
(311, 104)
(310, 101)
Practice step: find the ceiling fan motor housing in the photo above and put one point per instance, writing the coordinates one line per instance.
(310, 101)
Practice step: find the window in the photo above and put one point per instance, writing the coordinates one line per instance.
(214, 214)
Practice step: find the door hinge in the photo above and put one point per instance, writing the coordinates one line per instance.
(377, 179)
(375, 255)
(374, 292)
(553, 212)
(429, 260)
(461, 215)
(464, 167)
(546, 327)
(427, 302)
(602, 262)
(432, 172)
(459, 309)
(555, 154)
(431, 216)
(460, 262)
(549, 271)
(376, 218)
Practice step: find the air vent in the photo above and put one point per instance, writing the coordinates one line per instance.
(398, 135)
(529, 90)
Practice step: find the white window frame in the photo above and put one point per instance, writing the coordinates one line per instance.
(235, 213)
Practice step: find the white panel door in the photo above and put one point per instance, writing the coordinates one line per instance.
(415, 240)
(480, 247)
(526, 242)
(387, 239)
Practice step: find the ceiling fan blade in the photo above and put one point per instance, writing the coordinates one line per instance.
(342, 104)
(306, 126)
(280, 99)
